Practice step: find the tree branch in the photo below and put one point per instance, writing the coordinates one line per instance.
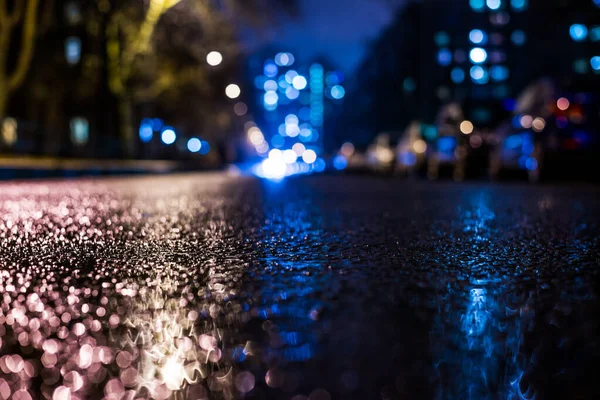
(27, 44)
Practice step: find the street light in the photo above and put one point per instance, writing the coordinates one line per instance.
(233, 91)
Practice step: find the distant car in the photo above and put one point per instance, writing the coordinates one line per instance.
(449, 149)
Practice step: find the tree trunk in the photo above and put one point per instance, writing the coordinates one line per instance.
(126, 127)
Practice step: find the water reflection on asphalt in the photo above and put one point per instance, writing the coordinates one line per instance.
(220, 287)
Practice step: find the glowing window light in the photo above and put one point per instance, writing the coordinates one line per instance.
(194, 145)
(441, 39)
(477, 5)
(73, 50)
(292, 93)
(145, 131)
(595, 63)
(299, 82)
(519, 5)
(214, 58)
(168, 136)
(457, 75)
(444, 57)
(233, 91)
(478, 55)
(270, 85)
(271, 98)
(578, 32)
(494, 4)
(309, 156)
(499, 72)
(477, 36)
(338, 92)
(518, 37)
(270, 69)
(289, 156)
(479, 75)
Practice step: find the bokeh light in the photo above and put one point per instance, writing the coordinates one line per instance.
(562, 103)
(233, 91)
(214, 58)
(478, 55)
(578, 32)
(309, 156)
(194, 145)
(466, 127)
(168, 136)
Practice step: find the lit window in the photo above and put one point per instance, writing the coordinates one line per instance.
(478, 55)
(444, 57)
(477, 36)
(578, 32)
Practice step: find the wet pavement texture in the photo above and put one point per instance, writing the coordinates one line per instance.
(214, 286)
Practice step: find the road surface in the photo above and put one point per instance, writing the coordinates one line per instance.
(215, 286)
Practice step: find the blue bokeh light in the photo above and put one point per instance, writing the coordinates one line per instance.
(340, 162)
(457, 75)
(477, 36)
(478, 55)
(578, 32)
(168, 136)
(338, 92)
(444, 57)
(194, 145)
(145, 131)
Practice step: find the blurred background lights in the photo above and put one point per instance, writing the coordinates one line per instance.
(457, 75)
(233, 91)
(168, 136)
(80, 130)
(194, 145)
(519, 5)
(442, 39)
(214, 58)
(340, 162)
(270, 69)
(477, 36)
(479, 75)
(518, 37)
(595, 63)
(338, 92)
(271, 98)
(292, 93)
(493, 4)
(526, 121)
(347, 149)
(290, 75)
(276, 154)
(478, 55)
(409, 84)
(298, 148)
(595, 34)
(477, 5)
(284, 59)
(444, 57)
(419, 146)
(539, 124)
(562, 103)
(466, 127)
(9, 131)
(273, 168)
(291, 119)
(72, 50)
(309, 156)
(499, 72)
(299, 82)
(270, 85)
(240, 109)
(145, 131)
(578, 32)
(289, 156)
(278, 141)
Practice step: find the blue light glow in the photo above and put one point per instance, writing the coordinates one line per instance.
(595, 33)
(441, 39)
(531, 164)
(290, 75)
(284, 59)
(457, 75)
(518, 37)
(259, 81)
(408, 158)
(578, 32)
(334, 78)
(446, 144)
(340, 163)
(444, 57)
(493, 4)
(519, 5)
(479, 75)
(513, 142)
(499, 72)
(270, 85)
(477, 36)
(271, 98)
(338, 92)
(72, 50)
(319, 165)
(270, 69)
(316, 95)
(478, 55)
(291, 119)
(292, 93)
(168, 136)
(277, 141)
(194, 145)
(477, 5)
(204, 147)
(595, 63)
(409, 84)
(145, 131)
(299, 82)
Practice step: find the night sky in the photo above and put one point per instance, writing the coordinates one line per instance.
(339, 29)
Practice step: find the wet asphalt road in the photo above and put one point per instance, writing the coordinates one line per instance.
(210, 286)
